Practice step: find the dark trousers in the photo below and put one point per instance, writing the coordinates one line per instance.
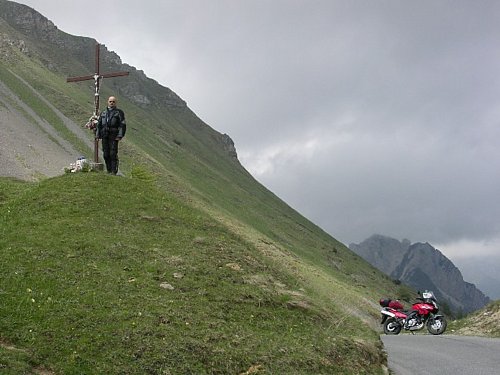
(110, 153)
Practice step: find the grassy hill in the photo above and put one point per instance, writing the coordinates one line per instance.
(112, 275)
(187, 265)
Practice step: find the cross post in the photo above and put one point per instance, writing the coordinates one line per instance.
(97, 77)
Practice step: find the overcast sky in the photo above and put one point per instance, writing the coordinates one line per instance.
(365, 116)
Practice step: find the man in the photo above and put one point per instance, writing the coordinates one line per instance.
(111, 128)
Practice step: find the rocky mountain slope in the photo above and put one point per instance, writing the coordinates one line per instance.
(28, 151)
(422, 266)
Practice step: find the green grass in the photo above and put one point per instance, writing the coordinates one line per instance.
(110, 275)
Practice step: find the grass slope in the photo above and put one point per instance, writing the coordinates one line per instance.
(111, 275)
(484, 322)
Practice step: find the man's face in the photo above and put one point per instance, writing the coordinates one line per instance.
(112, 102)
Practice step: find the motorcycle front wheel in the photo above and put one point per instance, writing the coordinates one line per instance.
(392, 327)
(436, 325)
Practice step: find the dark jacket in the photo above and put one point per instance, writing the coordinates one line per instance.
(111, 122)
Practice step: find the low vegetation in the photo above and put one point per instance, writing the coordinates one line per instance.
(484, 322)
(111, 275)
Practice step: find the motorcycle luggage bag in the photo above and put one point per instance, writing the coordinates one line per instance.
(394, 304)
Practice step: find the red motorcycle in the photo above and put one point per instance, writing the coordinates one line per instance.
(422, 313)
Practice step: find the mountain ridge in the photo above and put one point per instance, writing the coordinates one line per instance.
(32, 24)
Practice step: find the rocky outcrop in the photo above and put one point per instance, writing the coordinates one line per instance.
(228, 146)
(28, 21)
(422, 266)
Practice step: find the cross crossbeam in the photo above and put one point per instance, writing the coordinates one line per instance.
(97, 77)
(87, 78)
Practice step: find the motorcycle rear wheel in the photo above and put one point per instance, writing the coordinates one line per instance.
(437, 325)
(392, 327)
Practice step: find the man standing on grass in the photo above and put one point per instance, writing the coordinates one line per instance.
(111, 128)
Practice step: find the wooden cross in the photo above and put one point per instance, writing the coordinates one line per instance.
(97, 77)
